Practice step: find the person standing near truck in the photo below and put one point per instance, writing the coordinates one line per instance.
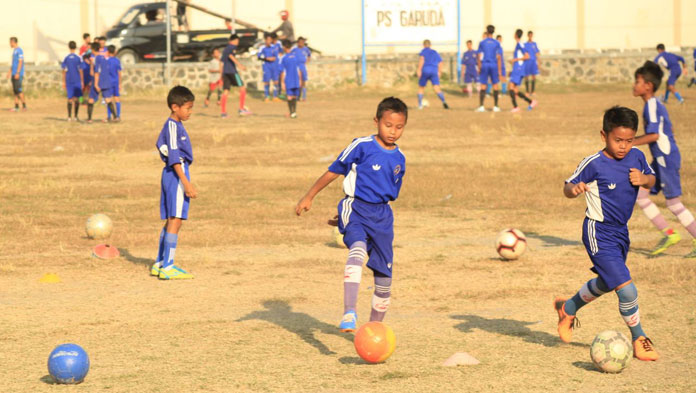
(287, 32)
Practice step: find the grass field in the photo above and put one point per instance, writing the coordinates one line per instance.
(262, 310)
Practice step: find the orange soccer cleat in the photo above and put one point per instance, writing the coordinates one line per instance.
(566, 323)
(643, 349)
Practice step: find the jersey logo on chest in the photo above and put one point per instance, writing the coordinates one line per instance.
(612, 186)
(376, 167)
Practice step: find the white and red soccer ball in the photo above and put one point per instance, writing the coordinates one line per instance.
(511, 243)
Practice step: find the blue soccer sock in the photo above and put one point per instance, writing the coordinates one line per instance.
(160, 251)
(666, 95)
(118, 109)
(628, 307)
(679, 97)
(169, 250)
(108, 111)
(488, 89)
(590, 291)
(441, 96)
(266, 90)
(420, 99)
(276, 92)
(304, 93)
(504, 88)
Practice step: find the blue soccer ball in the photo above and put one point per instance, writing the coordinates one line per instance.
(68, 364)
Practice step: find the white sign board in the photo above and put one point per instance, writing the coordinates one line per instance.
(410, 21)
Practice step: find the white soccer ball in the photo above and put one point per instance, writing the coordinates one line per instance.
(511, 243)
(99, 226)
(611, 351)
(425, 103)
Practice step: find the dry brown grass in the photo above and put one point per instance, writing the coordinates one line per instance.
(261, 313)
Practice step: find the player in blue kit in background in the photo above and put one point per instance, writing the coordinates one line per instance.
(374, 168)
(174, 147)
(115, 74)
(103, 83)
(290, 77)
(531, 65)
(517, 74)
(674, 64)
(469, 73)
(279, 50)
(304, 55)
(693, 80)
(610, 180)
(72, 79)
(666, 161)
(269, 54)
(429, 68)
(16, 74)
(503, 71)
(489, 64)
(86, 67)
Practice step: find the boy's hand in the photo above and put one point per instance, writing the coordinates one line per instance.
(333, 221)
(190, 191)
(16, 76)
(637, 177)
(418, 73)
(579, 189)
(303, 205)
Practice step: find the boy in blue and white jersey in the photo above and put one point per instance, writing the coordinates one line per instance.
(279, 49)
(519, 56)
(374, 168)
(86, 67)
(531, 65)
(290, 76)
(304, 54)
(174, 147)
(666, 161)
(610, 180)
(16, 74)
(103, 83)
(115, 74)
(489, 64)
(503, 71)
(671, 62)
(72, 79)
(269, 54)
(469, 73)
(429, 68)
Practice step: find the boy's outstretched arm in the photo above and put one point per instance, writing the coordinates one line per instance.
(571, 190)
(645, 139)
(306, 202)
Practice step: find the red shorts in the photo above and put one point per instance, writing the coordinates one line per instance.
(215, 85)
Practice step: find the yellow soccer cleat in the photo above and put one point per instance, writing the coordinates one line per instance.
(566, 323)
(666, 242)
(155, 269)
(692, 254)
(643, 349)
(174, 273)
(276, 99)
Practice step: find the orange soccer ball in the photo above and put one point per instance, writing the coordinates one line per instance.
(374, 342)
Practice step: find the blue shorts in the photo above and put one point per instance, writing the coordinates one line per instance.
(667, 177)
(470, 75)
(73, 90)
(516, 76)
(673, 76)
(489, 71)
(372, 223)
(303, 72)
(607, 245)
(269, 72)
(531, 67)
(173, 200)
(106, 92)
(428, 76)
(115, 91)
(292, 91)
(93, 95)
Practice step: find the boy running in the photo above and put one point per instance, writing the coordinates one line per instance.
(72, 79)
(374, 168)
(115, 74)
(489, 64)
(666, 161)
(519, 57)
(174, 146)
(214, 80)
(290, 77)
(16, 74)
(671, 62)
(469, 73)
(610, 180)
(531, 65)
(429, 69)
(230, 77)
(269, 54)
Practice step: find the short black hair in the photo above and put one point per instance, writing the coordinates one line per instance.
(286, 43)
(651, 73)
(102, 38)
(619, 116)
(86, 56)
(94, 46)
(72, 45)
(469, 42)
(490, 29)
(518, 33)
(426, 43)
(660, 46)
(14, 39)
(498, 36)
(111, 49)
(234, 36)
(530, 32)
(274, 35)
(85, 35)
(179, 95)
(392, 104)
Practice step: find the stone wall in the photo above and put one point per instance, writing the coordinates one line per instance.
(382, 71)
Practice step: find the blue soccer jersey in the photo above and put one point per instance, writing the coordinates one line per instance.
(488, 50)
(531, 48)
(289, 66)
(611, 195)
(228, 66)
(86, 73)
(17, 55)
(656, 120)
(267, 52)
(72, 65)
(518, 54)
(101, 67)
(372, 173)
(469, 59)
(302, 54)
(173, 144)
(669, 61)
(432, 60)
(114, 69)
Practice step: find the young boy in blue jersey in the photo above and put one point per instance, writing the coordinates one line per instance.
(519, 56)
(269, 54)
(16, 74)
(674, 63)
(103, 83)
(489, 65)
(279, 50)
(86, 67)
(666, 161)
(231, 77)
(93, 92)
(429, 69)
(304, 55)
(503, 71)
(290, 77)
(469, 73)
(610, 180)
(374, 168)
(115, 74)
(72, 79)
(531, 65)
(174, 147)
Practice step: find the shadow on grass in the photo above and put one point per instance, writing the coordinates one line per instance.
(642, 251)
(133, 259)
(509, 327)
(589, 366)
(47, 379)
(552, 241)
(280, 313)
(352, 360)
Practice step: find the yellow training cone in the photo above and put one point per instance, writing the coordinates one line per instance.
(50, 278)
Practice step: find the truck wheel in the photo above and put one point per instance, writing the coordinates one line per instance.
(127, 56)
